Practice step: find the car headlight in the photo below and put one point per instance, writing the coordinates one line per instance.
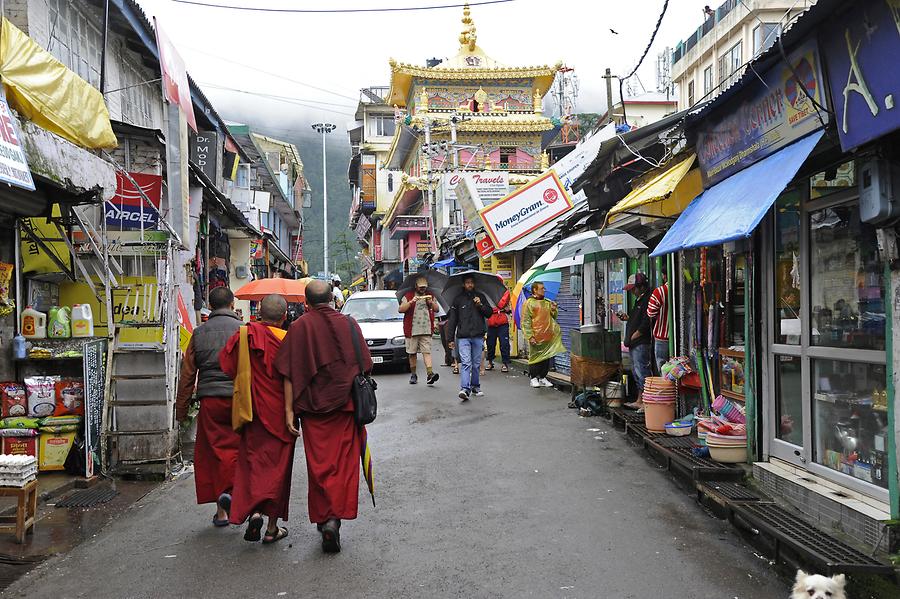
(399, 341)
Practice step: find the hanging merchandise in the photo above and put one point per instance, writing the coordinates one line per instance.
(7, 305)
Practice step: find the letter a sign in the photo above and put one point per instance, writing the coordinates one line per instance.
(543, 200)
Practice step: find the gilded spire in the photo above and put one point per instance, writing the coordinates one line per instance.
(468, 37)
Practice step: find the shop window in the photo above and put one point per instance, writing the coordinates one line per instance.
(789, 399)
(846, 281)
(833, 180)
(850, 406)
(787, 268)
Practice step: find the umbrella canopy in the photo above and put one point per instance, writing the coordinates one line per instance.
(552, 280)
(548, 256)
(436, 281)
(593, 246)
(292, 290)
(487, 283)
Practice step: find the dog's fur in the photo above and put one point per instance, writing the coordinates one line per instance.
(815, 586)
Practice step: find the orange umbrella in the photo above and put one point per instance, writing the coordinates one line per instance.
(290, 289)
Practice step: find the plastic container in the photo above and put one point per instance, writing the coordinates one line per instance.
(657, 414)
(678, 429)
(19, 347)
(34, 324)
(82, 321)
(59, 323)
(727, 455)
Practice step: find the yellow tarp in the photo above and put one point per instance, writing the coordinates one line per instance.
(43, 90)
(666, 194)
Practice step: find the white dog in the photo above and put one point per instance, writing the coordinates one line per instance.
(815, 586)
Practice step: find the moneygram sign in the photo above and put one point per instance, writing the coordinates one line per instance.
(526, 209)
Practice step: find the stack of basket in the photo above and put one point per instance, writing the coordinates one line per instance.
(17, 470)
(659, 403)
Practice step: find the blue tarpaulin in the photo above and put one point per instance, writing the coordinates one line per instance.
(733, 208)
(444, 263)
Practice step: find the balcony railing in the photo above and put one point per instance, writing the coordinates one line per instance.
(708, 25)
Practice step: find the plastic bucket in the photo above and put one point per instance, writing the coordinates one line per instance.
(657, 414)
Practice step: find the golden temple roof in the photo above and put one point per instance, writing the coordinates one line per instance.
(470, 63)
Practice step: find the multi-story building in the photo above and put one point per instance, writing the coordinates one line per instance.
(714, 56)
(466, 114)
(642, 109)
(372, 185)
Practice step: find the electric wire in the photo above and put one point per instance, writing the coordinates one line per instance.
(286, 99)
(337, 10)
(641, 60)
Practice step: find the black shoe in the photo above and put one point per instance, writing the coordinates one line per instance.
(413, 379)
(463, 395)
(331, 536)
(432, 378)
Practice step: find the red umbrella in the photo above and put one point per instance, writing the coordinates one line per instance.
(292, 290)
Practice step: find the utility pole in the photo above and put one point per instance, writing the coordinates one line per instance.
(609, 102)
(429, 193)
(324, 129)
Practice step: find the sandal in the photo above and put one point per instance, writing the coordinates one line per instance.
(254, 528)
(504, 368)
(219, 523)
(274, 538)
(456, 370)
(490, 366)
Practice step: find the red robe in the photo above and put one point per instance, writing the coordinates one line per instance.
(216, 449)
(262, 481)
(317, 356)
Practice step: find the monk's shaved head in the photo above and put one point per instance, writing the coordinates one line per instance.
(273, 308)
(318, 293)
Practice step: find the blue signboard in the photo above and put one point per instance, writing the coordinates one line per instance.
(860, 51)
(769, 115)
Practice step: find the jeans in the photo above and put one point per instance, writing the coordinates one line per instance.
(470, 350)
(493, 334)
(640, 364)
(539, 370)
(660, 353)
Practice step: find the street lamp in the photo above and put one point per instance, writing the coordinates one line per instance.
(324, 128)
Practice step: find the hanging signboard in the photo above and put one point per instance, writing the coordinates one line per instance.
(526, 209)
(128, 209)
(205, 152)
(860, 51)
(94, 366)
(774, 113)
(484, 188)
(14, 167)
(485, 247)
(174, 75)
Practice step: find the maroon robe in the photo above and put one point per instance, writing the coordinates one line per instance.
(215, 450)
(317, 356)
(262, 481)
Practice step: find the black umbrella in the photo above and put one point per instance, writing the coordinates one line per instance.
(487, 283)
(436, 281)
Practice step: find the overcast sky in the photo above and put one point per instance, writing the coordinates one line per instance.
(343, 52)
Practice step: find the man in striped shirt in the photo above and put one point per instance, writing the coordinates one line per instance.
(658, 312)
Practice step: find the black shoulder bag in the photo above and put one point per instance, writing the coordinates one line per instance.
(364, 403)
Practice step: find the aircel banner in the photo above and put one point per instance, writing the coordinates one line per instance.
(526, 209)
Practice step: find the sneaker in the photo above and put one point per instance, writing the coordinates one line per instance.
(413, 379)
(535, 383)
(478, 392)
(463, 395)
(546, 382)
(432, 378)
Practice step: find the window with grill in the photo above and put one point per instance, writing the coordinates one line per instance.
(74, 40)
(764, 36)
(137, 103)
(730, 65)
(707, 81)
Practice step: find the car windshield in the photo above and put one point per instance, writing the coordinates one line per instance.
(372, 309)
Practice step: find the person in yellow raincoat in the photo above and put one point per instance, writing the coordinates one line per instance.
(543, 334)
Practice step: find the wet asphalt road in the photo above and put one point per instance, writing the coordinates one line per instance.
(510, 495)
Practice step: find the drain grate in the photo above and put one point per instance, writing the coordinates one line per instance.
(734, 492)
(88, 497)
(830, 553)
(669, 441)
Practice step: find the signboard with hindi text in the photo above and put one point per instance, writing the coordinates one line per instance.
(14, 167)
(526, 209)
(94, 366)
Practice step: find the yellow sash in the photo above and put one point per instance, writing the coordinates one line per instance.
(242, 402)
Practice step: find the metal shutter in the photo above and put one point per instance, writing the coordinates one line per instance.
(569, 318)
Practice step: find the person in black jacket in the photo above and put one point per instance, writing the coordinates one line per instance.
(637, 334)
(466, 326)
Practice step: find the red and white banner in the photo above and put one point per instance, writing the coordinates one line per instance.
(128, 208)
(174, 76)
(484, 246)
(526, 209)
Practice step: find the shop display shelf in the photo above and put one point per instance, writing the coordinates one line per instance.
(829, 554)
(640, 432)
(665, 440)
(732, 492)
(697, 468)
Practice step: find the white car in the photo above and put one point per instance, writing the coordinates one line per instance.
(381, 324)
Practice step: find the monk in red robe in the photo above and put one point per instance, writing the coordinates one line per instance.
(319, 364)
(262, 481)
(216, 448)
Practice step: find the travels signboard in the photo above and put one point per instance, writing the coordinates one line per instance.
(13, 163)
(860, 51)
(773, 113)
(526, 209)
(129, 209)
(484, 188)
